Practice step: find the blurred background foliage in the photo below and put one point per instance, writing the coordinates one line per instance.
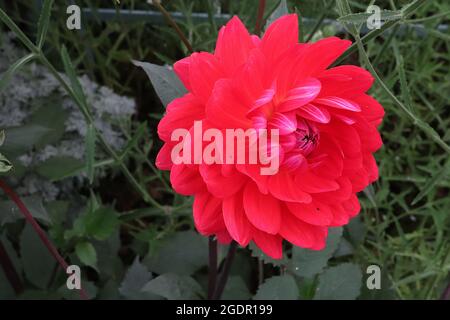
(136, 240)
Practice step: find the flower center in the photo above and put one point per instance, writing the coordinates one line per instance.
(307, 137)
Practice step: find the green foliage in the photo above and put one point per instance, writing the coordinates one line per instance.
(183, 253)
(174, 287)
(278, 288)
(342, 282)
(164, 81)
(307, 263)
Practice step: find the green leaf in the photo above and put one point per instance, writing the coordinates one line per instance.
(258, 253)
(164, 80)
(278, 288)
(184, 253)
(342, 282)
(307, 263)
(10, 213)
(135, 279)
(43, 23)
(86, 253)
(49, 114)
(174, 287)
(24, 138)
(281, 10)
(90, 152)
(7, 75)
(101, 223)
(38, 263)
(70, 71)
(59, 167)
(236, 289)
(356, 230)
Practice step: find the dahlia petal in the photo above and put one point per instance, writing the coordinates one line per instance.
(259, 122)
(204, 71)
(233, 45)
(181, 68)
(332, 164)
(315, 213)
(304, 92)
(301, 233)
(253, 171)
(288, 142)
(340, 216)
(311, 183)
(344, 118)
(283, 187)
(163, 159)
(369, 135)
(263, 211)
(207, 212)
(319, 56)
(265, 98)
(286, 123)
(180, 114)
(359, 180)
(314, 113)
(339, 103)
(295, 161)
(217, 184)
(185, 180)
(343, 193)
(371, 109)
(280, 36)
(371, 167)
(223, 237)
(268, 243)
(346, 136)
(352, 206)
(235, 220)
(346, 80)
(218, 107)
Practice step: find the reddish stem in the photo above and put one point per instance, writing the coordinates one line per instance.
(29, 218)
(260, 16)
(10, 271)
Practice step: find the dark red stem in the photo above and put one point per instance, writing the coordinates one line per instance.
(10, 271)
(225, 271)
(212, 272)
(29, 218)
(260, 16)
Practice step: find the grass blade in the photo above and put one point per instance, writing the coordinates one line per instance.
(90, 152)
(43, 23)
(14, 68)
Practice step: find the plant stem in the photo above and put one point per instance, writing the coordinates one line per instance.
(10, 271)
(174, 25)
(260, 271)
(225, 272)
(260, 17)
(212, 266)
(29, 218)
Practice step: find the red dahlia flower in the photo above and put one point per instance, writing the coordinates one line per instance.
(328, 132)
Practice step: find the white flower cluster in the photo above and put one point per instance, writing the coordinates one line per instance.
(32, 83)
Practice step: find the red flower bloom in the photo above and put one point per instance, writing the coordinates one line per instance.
(327, 125)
